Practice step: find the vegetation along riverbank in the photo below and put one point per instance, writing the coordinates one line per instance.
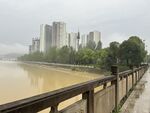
(129, 52)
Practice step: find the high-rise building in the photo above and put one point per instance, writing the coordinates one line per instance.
(59, 35)
(35, 45)
(69, 40)
(94, 36)
(84, 40)
(30, 49)
(72, 37)
(45, 37)
(78, 39)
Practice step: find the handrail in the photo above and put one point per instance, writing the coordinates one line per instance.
(53, 98)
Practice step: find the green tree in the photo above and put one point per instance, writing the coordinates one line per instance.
(107, 56)
(36, 56)
(101, 57)
(132, 51)
(99, 45)
(91, 45)
(64, 55)
(72, 54)
(114, 52)
(51, 55)
(85, 56)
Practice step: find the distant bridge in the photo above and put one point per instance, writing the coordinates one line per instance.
(102, 95)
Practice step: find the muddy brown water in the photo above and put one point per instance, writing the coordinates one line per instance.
(20, 80)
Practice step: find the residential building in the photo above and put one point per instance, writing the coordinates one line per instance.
(35, 45)
(72, 38)
(94, 36)
(30, 49)
(45, 37)
(78, 39)
(84, 40)
(59, 35)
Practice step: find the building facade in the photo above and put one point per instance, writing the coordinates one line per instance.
(30, 49)
(84, 40)
(35, 47)
(59, 34)
(72, 38)
(45, 37)
(94, 36)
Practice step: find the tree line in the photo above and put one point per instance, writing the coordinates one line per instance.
(129, 52)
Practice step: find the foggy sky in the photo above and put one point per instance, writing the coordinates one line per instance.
(116, 19)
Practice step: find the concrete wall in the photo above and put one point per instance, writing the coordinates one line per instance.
(122, 88)
(78, 107)
(104, 101)
(104, 96)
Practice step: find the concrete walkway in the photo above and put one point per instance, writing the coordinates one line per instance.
(139, 100)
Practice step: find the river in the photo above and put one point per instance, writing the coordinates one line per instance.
(20, 80)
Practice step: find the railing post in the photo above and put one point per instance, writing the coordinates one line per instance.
(132, 68)
(54, 109)
(89, 96)
(127, 86)
(115, 72)
(105, 86)
(136, 76)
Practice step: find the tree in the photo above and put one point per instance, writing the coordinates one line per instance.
(99, 45)
(63, 55)
(132, 51)
(36, 56)
(51, 55)
(91, 45)
(101, 57)
(85, 56)
(72, 54)
(114, 52)
(107, 56)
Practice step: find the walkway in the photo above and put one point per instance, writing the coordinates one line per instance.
(139, 100)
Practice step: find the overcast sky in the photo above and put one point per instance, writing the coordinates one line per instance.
(116, 19)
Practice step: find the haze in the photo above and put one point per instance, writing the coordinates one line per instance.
(116, 19)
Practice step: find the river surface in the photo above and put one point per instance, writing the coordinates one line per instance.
(20, 80)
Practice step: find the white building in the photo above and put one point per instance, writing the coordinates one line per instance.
(94, 36)
(59, 35)
(36, 44)
(45, 37)
(72, 38)
(83, 40)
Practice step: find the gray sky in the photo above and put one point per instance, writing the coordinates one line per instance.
(116, 19)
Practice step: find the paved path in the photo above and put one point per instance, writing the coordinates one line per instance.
(139, 100)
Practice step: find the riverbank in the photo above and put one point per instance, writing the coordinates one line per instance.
(90, 69)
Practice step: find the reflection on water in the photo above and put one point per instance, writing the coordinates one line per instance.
(18, 80)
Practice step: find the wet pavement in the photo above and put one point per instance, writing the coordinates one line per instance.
(139, 100)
